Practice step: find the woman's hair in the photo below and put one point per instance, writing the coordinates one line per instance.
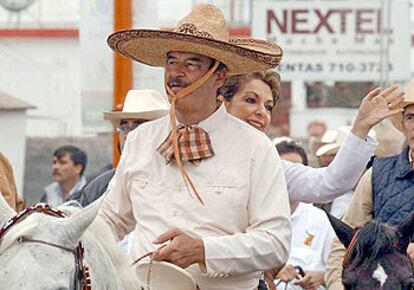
(235, 83)
(286, 147)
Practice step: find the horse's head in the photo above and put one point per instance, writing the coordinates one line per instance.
(376, 256)
(38, 252)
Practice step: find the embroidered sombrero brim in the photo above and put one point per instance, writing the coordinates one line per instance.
(115, 117)
(151, 47)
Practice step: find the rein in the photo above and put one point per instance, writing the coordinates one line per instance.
(350, 249)
(301, 275)
(81, 278)
(148, 278)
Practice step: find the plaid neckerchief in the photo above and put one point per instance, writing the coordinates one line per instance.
(193, 142)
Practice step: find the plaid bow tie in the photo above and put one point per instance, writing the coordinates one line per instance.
(194, 144)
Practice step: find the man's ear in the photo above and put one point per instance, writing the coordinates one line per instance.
(220, 77)
(78, 168)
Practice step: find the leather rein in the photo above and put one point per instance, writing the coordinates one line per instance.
(350, 249)
(81, 277)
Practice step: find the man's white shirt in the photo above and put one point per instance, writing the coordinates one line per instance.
(245, 222)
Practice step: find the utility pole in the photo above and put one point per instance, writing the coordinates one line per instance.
(122, 66)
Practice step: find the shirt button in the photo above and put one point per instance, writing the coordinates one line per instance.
(174, 212)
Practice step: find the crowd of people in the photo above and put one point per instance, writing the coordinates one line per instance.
(201, 186)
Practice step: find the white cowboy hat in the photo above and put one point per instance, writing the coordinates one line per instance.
(397, 120)
(336, 139)
(202, 31)
(333, 139)
(281, 139)
(165, 276)
(140, 104)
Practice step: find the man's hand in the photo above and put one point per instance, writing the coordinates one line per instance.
(288, 273)
(312, 280)
(270, 275)
(374, 108)
(182, 250)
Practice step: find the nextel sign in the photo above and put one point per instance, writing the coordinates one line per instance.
(332, 21)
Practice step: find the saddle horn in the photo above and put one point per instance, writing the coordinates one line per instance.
(344, 232)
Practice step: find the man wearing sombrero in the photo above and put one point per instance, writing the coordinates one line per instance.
(209, 194)
(384, 192)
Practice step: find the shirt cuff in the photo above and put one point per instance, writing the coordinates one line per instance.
(360, 145)
(214, 259)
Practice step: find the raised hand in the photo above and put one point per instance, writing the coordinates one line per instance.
(376, 106)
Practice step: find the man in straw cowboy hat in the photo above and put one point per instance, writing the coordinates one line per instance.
(140, 106)
(385, 191)
(209, 194)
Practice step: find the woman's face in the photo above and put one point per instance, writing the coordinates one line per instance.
(253, 103)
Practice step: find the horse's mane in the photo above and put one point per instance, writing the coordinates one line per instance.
(373, 242)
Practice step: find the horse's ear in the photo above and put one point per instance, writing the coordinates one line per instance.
(76, 225)
(404, 232)
(6, 212)
(344, 232)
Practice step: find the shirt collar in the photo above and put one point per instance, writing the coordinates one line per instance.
(215, 120)
(79, 185)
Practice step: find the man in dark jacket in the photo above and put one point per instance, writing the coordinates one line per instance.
(384, 193)
(140, 106)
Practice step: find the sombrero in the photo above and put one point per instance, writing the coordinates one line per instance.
(397, 120)
(140, 104)
(202, 31)
(165, 276)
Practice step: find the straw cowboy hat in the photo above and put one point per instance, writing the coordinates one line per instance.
(165, 276)
(202, 31)
(140, 104)
(397, 120)
(336, 138)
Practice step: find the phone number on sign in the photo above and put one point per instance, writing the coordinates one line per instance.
(350, 67)
(332, 67)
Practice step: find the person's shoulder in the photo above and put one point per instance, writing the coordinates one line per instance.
(105, 176)
(247, 132)
(151, 126)
(51, 186)
(150, 130)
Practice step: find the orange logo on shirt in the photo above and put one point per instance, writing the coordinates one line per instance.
(309, 239)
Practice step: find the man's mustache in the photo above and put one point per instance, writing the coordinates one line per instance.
(177, 82)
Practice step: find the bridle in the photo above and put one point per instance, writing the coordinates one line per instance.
(349, 250)
(81, 277)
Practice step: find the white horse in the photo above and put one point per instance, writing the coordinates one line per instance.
(39, 252)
